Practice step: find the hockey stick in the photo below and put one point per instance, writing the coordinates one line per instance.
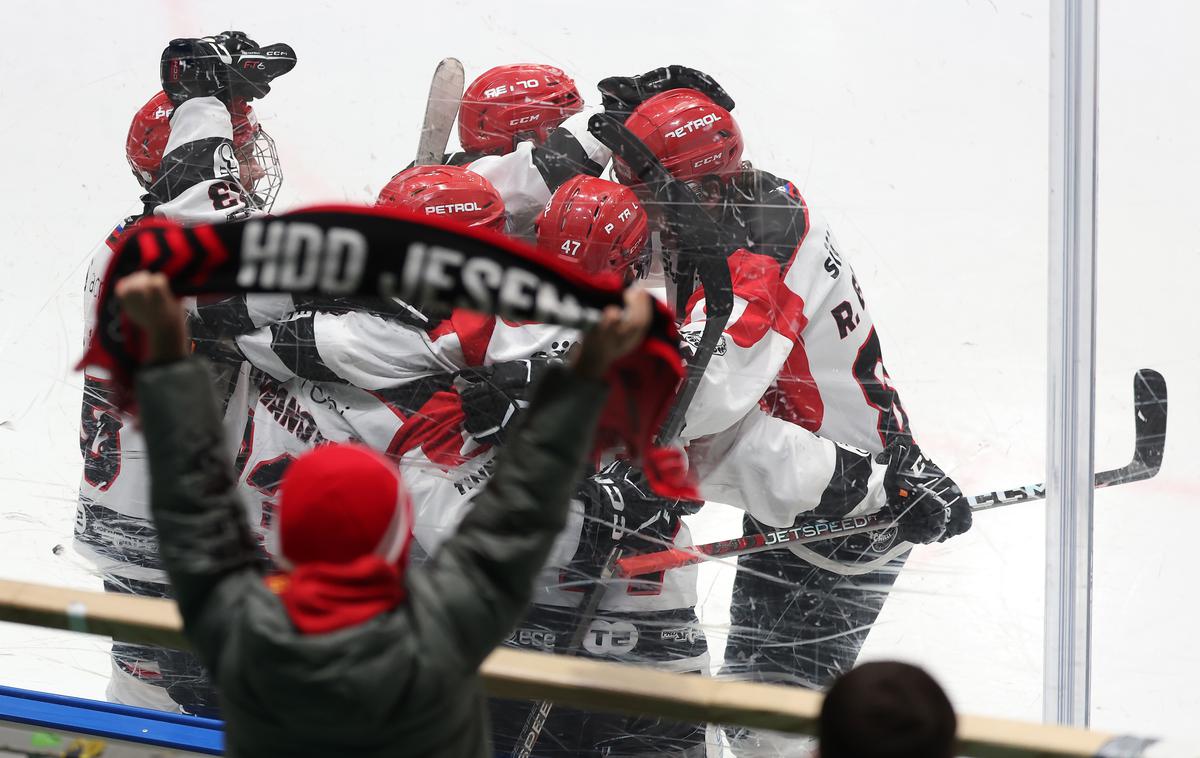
(1150, 425)
(713, 271)
(445, 97)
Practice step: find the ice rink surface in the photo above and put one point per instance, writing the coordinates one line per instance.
(918, 128)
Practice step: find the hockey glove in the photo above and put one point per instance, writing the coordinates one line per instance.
(620, 509)
(194, 68)
(253, 67)
(928, 505)
(496, 395)
(622, 94)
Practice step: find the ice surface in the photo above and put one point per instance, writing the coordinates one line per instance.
(917, 128)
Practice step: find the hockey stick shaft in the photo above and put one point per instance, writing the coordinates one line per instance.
(1150, 423)
(718, 289)
(445, 96)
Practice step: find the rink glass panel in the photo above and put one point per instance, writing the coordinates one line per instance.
(1144, 662)
(917, 130)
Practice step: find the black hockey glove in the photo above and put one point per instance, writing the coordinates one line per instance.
(194, 68)
(620, 509)
(621, 94)
(254, 67)
(496, 395)
(928, 505)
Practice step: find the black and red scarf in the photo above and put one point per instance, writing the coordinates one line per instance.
(352, 251)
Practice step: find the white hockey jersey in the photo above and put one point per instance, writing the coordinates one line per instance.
(197, 183)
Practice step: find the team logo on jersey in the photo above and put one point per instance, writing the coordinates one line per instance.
(225, 162)
(883, 540)
(535, 638)
(693, 340)
(682, 634)
(558, 350)
(610, 637)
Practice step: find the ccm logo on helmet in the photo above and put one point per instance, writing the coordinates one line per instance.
(295, 255)
(691, 126)
(707, 160)
(448, 208)
(525, 120)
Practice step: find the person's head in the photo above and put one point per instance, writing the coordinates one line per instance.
(696, 140)
(446, 192)
(258, 161)
(508, 104)
(596, 225)
(341, 533)
(339, 503)
(886, 709)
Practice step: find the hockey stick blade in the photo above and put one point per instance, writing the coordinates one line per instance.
(445, 96)
(1150, 425)
(1150, 436)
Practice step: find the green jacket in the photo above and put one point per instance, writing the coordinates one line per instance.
(403, 683)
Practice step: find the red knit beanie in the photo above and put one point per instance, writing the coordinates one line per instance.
(338, 503)
(342, 534)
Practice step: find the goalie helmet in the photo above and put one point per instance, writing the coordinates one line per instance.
(691, 135)
(597, 225)
(449, 192)
(508, 103)
(255, 150)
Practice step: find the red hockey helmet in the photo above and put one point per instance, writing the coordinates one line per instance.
(451, 192)
(508, 101)
(692, 136)
(147, 138)
(254, 148)
(595, 224)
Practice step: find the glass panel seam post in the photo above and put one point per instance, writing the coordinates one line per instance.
(1071, 364)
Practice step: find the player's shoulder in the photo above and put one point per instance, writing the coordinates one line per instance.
(775, 212)
(763, 187)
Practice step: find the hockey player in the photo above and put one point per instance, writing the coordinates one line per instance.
(600, 227)
(577, 227)
(527, 164)
(522, 126)
(513, 103)
(445, 192)
(799, 350)
(340, 370)
(199, 157)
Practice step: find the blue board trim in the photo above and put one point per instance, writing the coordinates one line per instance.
(112, 721)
